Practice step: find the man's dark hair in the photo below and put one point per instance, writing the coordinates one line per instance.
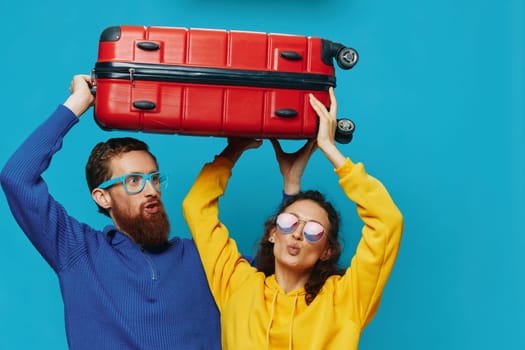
(97, 167)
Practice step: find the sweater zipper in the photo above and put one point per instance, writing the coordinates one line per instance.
(150, 264)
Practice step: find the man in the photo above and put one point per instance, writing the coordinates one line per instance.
(128, 286)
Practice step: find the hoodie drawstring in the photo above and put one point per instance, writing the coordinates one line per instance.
(292, 315)
(270, 323)
(290, 339)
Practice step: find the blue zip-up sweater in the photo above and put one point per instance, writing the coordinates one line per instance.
(116, 295)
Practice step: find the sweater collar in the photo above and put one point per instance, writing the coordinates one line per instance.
(115, 237)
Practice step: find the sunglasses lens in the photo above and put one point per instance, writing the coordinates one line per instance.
(313, 232)
(287, 222)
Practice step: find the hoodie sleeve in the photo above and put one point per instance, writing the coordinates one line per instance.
(370, 268)
(45, 222)
(224, 266)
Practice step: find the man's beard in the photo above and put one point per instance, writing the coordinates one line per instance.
(148, 230)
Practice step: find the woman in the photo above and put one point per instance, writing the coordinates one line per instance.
(297, 298)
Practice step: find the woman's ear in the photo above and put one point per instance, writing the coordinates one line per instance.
(101, 197)
(326, 254)
(271, 236)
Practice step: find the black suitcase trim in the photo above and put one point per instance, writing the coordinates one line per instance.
(214, 76)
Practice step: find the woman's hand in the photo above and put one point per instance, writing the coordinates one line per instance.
(327, 128)
(292, 165)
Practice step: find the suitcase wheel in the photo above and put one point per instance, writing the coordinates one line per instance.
(347, 58)
(344, 131)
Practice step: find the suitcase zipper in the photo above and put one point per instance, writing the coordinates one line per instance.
(215, 76)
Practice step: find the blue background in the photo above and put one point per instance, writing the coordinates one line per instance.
(438, 101)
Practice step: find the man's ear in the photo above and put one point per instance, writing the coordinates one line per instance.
(101, 197)
(326, 254)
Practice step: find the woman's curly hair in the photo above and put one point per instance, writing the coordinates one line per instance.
(265, 259)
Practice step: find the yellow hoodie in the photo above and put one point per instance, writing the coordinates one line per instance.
(255, 312)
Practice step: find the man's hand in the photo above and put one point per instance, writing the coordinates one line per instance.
(81, 97)
(237, 145)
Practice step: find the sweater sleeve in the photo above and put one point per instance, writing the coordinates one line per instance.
(43, 220)
(370, 268)
(224, 266)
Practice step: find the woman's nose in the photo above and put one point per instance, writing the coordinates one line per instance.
(298, 233)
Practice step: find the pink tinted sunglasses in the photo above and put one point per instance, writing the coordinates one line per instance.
(288, 222)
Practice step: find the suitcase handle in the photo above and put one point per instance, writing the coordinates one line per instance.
(291, 55)
(286, 113)
(148, 46)
(144, 105)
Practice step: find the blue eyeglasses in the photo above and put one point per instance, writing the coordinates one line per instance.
(134, 183)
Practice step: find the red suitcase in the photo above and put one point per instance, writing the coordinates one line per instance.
(210, 82)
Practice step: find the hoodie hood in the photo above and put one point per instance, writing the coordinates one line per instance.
(285, 301)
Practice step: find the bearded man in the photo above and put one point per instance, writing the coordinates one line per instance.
(128, 286)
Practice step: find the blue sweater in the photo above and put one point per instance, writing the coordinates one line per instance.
(116, 295)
